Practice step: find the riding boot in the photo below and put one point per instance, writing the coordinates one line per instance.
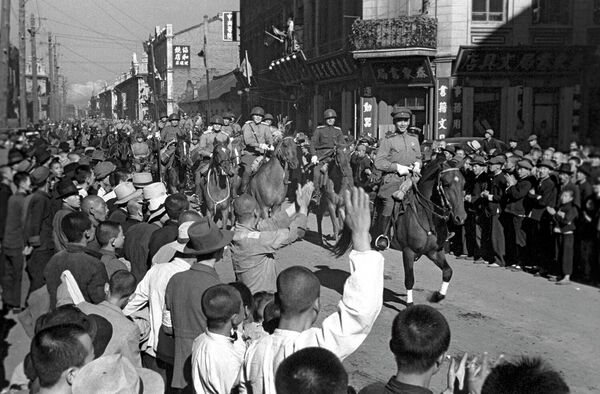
(382, 242)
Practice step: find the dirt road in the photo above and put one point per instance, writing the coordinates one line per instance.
(489, 309)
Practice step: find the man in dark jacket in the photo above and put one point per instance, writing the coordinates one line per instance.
(478, 223)
(495, 196)
(175, 204)
(6, 175)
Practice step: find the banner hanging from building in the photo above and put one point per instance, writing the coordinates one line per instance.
(229, 26)
(181, 56)
(443, 107)
(368, 116)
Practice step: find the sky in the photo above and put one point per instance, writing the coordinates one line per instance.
(97, 37)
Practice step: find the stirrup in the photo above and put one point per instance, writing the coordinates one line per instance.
(385, 239)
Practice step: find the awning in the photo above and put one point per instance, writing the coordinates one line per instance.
(219, 86)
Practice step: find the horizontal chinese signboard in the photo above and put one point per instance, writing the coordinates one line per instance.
(521, 60)
(408, 71)
(332, 68)
(181, 56)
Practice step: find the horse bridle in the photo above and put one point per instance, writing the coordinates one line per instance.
(443, 197)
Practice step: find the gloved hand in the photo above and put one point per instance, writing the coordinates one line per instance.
(314, 159)
(263, 146)
(417, 168)
(402, 170)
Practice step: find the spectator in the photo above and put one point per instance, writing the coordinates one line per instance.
(88, 271)
(167, 252)
(102, 171)
(255, 241)
(298, 292)
(71, 202)
(312, 371)
(110, 238)
(248, 303)
(175, 204)
(126, 334)
(564, 218)
(218, 353)
(124, 193)
(6, 177)
(83, 179)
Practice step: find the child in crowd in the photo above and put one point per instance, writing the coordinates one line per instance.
(110, 237)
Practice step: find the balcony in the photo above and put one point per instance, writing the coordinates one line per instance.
(412, 35)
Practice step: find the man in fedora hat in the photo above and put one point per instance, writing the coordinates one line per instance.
(124, 193)
(399, 159)
(141, 179)
(38, 227)
(67, 193)
(185, 289)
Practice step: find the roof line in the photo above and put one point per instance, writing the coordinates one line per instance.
(214, 18)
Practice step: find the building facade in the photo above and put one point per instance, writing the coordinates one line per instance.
(42, 89)
(462, 66)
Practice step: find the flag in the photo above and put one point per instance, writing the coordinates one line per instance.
(246, 68)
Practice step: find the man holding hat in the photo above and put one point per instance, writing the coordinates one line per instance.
(257, 140)
(38, 227)
(324, 139)
(398, 156)
(203, 250)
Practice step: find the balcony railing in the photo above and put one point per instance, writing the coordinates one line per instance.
(402, 32)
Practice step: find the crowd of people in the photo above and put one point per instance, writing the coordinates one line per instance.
(113, 277)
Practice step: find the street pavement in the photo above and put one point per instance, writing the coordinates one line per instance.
(488, 309)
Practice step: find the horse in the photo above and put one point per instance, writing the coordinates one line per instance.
(217, 188)
(269, 184)
(422, 229)
(177, 167)
(338, 178)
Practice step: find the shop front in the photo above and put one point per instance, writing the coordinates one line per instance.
(519, 91)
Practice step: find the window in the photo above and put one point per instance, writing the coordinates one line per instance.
(596, 12)
(488, 10)
(551, 12)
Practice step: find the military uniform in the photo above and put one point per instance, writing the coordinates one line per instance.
(170, 133)
(324, 139)
(206, 145)
(140, 150)
(233, 130)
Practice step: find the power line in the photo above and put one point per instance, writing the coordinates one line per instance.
(114, 19)
(89, 60)
(88, 29)
(126, 14)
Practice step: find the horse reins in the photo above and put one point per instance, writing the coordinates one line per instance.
(208, 177)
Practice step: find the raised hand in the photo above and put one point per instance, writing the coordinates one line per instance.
(357, 217)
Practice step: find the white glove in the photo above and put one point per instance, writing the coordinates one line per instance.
(402, 170)
(263, 146)
(314, 159)
(417, 168)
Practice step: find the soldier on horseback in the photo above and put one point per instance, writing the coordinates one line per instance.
(172, 131)
(230, 127)
(324, 139)
(398, 156)
(257, 140)
(140, 151)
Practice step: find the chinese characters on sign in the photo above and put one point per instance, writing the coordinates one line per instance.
(229, 26)
(408, 71)
(333, 68)
(181, 56)
(457, 110)
(521, 60)
(444, 102)
(368, 110)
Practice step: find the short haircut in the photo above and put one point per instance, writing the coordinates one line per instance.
(219, 303)
(261, 299)
(106, 231)
(189, 216)
(122, 283)
(524, 376)
(297, 289)
(54, 162)
(569, 191)
(312, 370)
(20, 177)
(175, 204)
(56, 349)
(73, 155)
(74, 225)
(119, 175)
(245, 293)
(82, 172)
(420, 335)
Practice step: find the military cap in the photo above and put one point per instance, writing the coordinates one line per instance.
(257, 111)
(565, 168)
(399, 112)
(329, 113)
(532, 137)
(163, 116)
(174, 116)
(525, 163)
(490, 132)
(479, 160)
(547, 163)
(216, 119)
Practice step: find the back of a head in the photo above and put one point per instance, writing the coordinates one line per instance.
(122, 283)
(82, 172)
(20, 177)
(56, 349)
(106, 231)
(260, 300)
(219, 304)
(420, 335)
(74, 225)
(311, 370)
(297, 289)
(189, 216)
(244, 205)
(175, 204)
(245, 293)
(92, 201)
(524, 376)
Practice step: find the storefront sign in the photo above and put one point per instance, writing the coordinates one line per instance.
(181, 56)
(457, 110)
(229, 26)
(368, 110)
(336, 67)
(444, 109)
(521, 60)
(409, 71)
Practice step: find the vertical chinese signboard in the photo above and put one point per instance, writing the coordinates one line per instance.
(229, 26)
(368, 114)
(456, 110)
(443, 107)
(181, 56)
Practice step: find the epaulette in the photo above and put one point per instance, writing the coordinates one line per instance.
(336, 127)
(390, 134)
(321, 126)
(249, 121)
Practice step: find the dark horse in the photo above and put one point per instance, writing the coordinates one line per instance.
(118, 146)
(269, 184)
(337, 179)
(178, 166)
(422, 229)
(218, 191)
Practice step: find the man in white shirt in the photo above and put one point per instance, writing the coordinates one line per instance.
(298, 296)
(218, 353)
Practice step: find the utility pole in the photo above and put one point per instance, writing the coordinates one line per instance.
(56, 93)
(4, 49)
(22, 54)
(51, 108)
(206, 68)
(64, 96)
(35, 104)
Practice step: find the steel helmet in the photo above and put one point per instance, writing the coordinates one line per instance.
(329, 113)
(216, 119)
(229, 115)
(258, 111)
(174, 116)
(268, 116)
